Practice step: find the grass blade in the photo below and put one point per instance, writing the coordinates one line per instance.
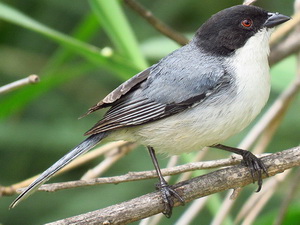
(118, 29)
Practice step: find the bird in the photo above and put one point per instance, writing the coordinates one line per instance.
(197, 96)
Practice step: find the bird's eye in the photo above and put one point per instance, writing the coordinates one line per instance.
(247, 23)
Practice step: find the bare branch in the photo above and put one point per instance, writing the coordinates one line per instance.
(10, 190)
(285, 28)
(31, 79)
(192, 211)
(290, 194)
(135, 176)
(156, 23)
(289, 46)
(249, 2)
(255, 203)
(150, 204)
(111, 158)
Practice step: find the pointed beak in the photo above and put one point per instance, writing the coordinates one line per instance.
(275, 19)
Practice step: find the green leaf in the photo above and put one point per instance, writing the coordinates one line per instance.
(83, 32)
(114, 22)
(113, 63)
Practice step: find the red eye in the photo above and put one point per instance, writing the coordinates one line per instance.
(247, 23)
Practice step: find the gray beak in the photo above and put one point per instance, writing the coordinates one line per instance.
(275, 19)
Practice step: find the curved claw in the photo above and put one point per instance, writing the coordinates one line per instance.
(256, 167)
(167, 192)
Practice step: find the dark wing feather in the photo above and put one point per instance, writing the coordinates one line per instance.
(117, 93)
(129, 113)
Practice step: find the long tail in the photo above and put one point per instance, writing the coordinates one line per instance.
(83, 147)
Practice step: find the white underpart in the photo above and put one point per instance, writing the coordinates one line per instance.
(209, 124)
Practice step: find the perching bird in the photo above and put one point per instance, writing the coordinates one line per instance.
(197, 96)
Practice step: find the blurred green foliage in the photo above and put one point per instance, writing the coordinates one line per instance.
(82, 50)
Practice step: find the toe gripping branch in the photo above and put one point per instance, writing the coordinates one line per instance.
(255, 165)
(167, 193)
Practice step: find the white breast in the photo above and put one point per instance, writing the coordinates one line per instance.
(251, 67)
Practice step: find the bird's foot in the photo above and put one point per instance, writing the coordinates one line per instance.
(256, 167)
(167, 193)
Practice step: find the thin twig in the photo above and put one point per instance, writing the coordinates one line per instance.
(171, 163)
(226, 206)
(111, 158)
(135, 176)
(156, 23)
(285, 28)
(192, 211)
(249, 2)
(290, 45)
(31, 79)
(285, 48)
(289, 196)
(11, 190)
(254, 200)
(150, 204)
(198, 157)
(258, 207)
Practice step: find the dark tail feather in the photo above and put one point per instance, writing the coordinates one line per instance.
(83, 147)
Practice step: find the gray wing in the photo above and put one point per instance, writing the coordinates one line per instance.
(174, 84)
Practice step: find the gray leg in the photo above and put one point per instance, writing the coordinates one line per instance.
(166, 190)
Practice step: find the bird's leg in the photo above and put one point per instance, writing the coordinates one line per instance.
(256, 166)
(166, 190)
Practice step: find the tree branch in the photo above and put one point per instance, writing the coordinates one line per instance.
(135, 176)
(287, 47)
(290, 194)
(217, 181)
(156, 23)
(290, 45)
(103, 149)
(249, 2)
(31, 79)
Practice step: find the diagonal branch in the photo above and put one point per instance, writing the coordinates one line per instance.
(103, 149)
(156, 23)
(151, 204)
(31, 79)
(143, 175)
